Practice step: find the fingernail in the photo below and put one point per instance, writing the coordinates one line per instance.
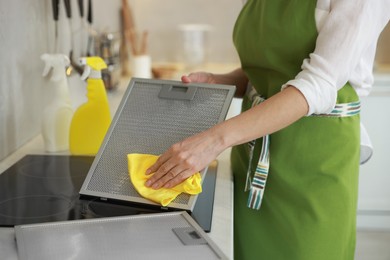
(147, 172)
(147, 183)
(155, 186)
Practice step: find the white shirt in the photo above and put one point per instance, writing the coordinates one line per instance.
(348, 31)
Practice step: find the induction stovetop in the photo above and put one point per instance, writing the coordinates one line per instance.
(45, 188)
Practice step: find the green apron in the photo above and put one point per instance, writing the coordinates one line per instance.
(309, 207)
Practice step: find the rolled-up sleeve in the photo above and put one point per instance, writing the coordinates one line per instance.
(347, 34)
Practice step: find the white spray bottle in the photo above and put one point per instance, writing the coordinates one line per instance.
(58, 114)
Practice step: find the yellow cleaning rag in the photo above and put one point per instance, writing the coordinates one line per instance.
(139, 163)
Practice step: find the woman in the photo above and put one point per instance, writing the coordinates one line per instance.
(310, 61)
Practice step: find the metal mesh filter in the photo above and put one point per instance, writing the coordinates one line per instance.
(153, 115)
(150, 236)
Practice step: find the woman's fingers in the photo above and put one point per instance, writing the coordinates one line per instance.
(178, 179)
(185, 79)
(163, 175)
(160, 161)
(172, 171)
(201, 77)
(159, 168)
(169, 174)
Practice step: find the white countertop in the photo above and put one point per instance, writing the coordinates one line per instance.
(222, 221)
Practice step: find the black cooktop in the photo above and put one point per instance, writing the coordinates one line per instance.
(45, 188)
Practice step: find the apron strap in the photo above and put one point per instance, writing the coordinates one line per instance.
(343, 110)
(256, 184)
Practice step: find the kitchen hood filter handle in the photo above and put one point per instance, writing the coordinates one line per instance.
(189, 236)
(177, 92)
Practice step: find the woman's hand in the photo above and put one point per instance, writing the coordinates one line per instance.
(236, 77)
(184, 159)
(201, 77)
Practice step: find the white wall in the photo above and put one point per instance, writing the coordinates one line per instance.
(161, 19)
(23, 31)
(374, 181)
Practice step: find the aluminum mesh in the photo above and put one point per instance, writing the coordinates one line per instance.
(149, 124)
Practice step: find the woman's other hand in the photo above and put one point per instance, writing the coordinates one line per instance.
(200, 77)
(236, 77)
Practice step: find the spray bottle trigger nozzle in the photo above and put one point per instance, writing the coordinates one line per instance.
(56, 62)
(46, 70)
(87, 71)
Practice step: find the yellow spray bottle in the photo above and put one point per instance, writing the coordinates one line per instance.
(92, 119)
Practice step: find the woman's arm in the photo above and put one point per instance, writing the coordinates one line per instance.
(196, 152)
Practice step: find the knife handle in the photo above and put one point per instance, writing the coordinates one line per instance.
(81, 7)
(89, 18)
(55, 5)
(68, 8)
